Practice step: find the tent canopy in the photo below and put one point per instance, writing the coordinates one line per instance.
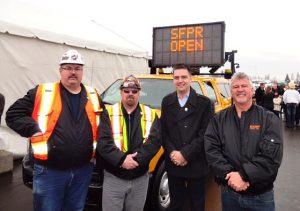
(29, 57)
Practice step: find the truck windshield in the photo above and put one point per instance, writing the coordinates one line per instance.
(151, 94)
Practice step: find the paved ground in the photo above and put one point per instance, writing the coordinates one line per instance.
(14, 196)
(287, 185)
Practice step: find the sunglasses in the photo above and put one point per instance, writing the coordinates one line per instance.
(128, 91)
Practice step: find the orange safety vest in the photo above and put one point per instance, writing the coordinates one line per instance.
(47, 109)
(118, 125)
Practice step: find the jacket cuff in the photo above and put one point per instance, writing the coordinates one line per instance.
(35, 130)
(122, 160)
(243, 175)
(185, 155)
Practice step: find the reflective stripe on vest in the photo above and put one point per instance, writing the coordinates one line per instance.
(47, 109)
(94, 116)
(118, 124)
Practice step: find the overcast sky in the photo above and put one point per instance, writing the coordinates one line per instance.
(265, 33)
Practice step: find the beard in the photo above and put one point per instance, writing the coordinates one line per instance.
(130, 101)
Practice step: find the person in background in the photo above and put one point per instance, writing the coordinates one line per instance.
(297, 118)
(2, 103)
(259, 94)
(129, 137)
(267, 101)
(185, 115)
(244, 148)
(283, 106)
(278, 90)
(291, 99)
(61, 119)
(277, 105)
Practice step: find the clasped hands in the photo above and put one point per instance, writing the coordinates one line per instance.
(235, 181)
(129, 162)
(177, 158)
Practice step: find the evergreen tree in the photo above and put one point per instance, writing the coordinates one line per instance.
(287, 78)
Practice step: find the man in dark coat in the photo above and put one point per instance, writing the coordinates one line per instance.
(185, 115)
(244, 147)
(259, 94)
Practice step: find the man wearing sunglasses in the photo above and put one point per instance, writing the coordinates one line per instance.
(128, 139)
(61, 119)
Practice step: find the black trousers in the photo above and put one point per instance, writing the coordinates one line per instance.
(192, 189)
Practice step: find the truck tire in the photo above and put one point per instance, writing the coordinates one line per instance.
(160, 189)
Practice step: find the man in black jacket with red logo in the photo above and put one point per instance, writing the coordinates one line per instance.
(244, 148)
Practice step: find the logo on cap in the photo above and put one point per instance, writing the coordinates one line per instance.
(74, 57)
(130, 82)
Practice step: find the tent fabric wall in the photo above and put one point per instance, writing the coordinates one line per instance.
(26, 61)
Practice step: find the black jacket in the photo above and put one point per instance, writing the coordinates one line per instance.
(251, 145)
(259, 94)
(71, 143)
(113, 157)
(183, 129)
(267, 101)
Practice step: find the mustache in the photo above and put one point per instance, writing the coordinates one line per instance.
(72, 76)
(130, 97)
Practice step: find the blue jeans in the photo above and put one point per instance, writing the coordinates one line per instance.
(191, 188)
(291, 114)
(56, 190)
(233, 201)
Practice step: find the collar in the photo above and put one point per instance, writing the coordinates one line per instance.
(185, 96)
(125, 111)
(192, 98)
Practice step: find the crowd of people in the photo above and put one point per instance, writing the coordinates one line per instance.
(69, 127)
(282, 100)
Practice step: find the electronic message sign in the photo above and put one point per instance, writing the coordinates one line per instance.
(196, 45)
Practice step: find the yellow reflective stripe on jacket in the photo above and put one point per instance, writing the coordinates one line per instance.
(46, 105)
(47, 109)
(40, 147)
(118, 124)
(44, 114)
(93, 98)
(148, 116)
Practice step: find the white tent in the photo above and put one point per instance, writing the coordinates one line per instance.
(30, 56)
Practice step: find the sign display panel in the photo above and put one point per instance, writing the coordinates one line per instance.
(196, 45)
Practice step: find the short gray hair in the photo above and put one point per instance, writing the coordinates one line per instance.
(239, 76)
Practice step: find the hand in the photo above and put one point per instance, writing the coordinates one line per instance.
(177, 158)
(236, 182)
(129, 162)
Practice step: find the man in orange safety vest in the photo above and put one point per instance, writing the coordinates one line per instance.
(61, 119)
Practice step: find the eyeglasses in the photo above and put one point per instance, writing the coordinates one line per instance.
(132, 91)
(70, 69)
